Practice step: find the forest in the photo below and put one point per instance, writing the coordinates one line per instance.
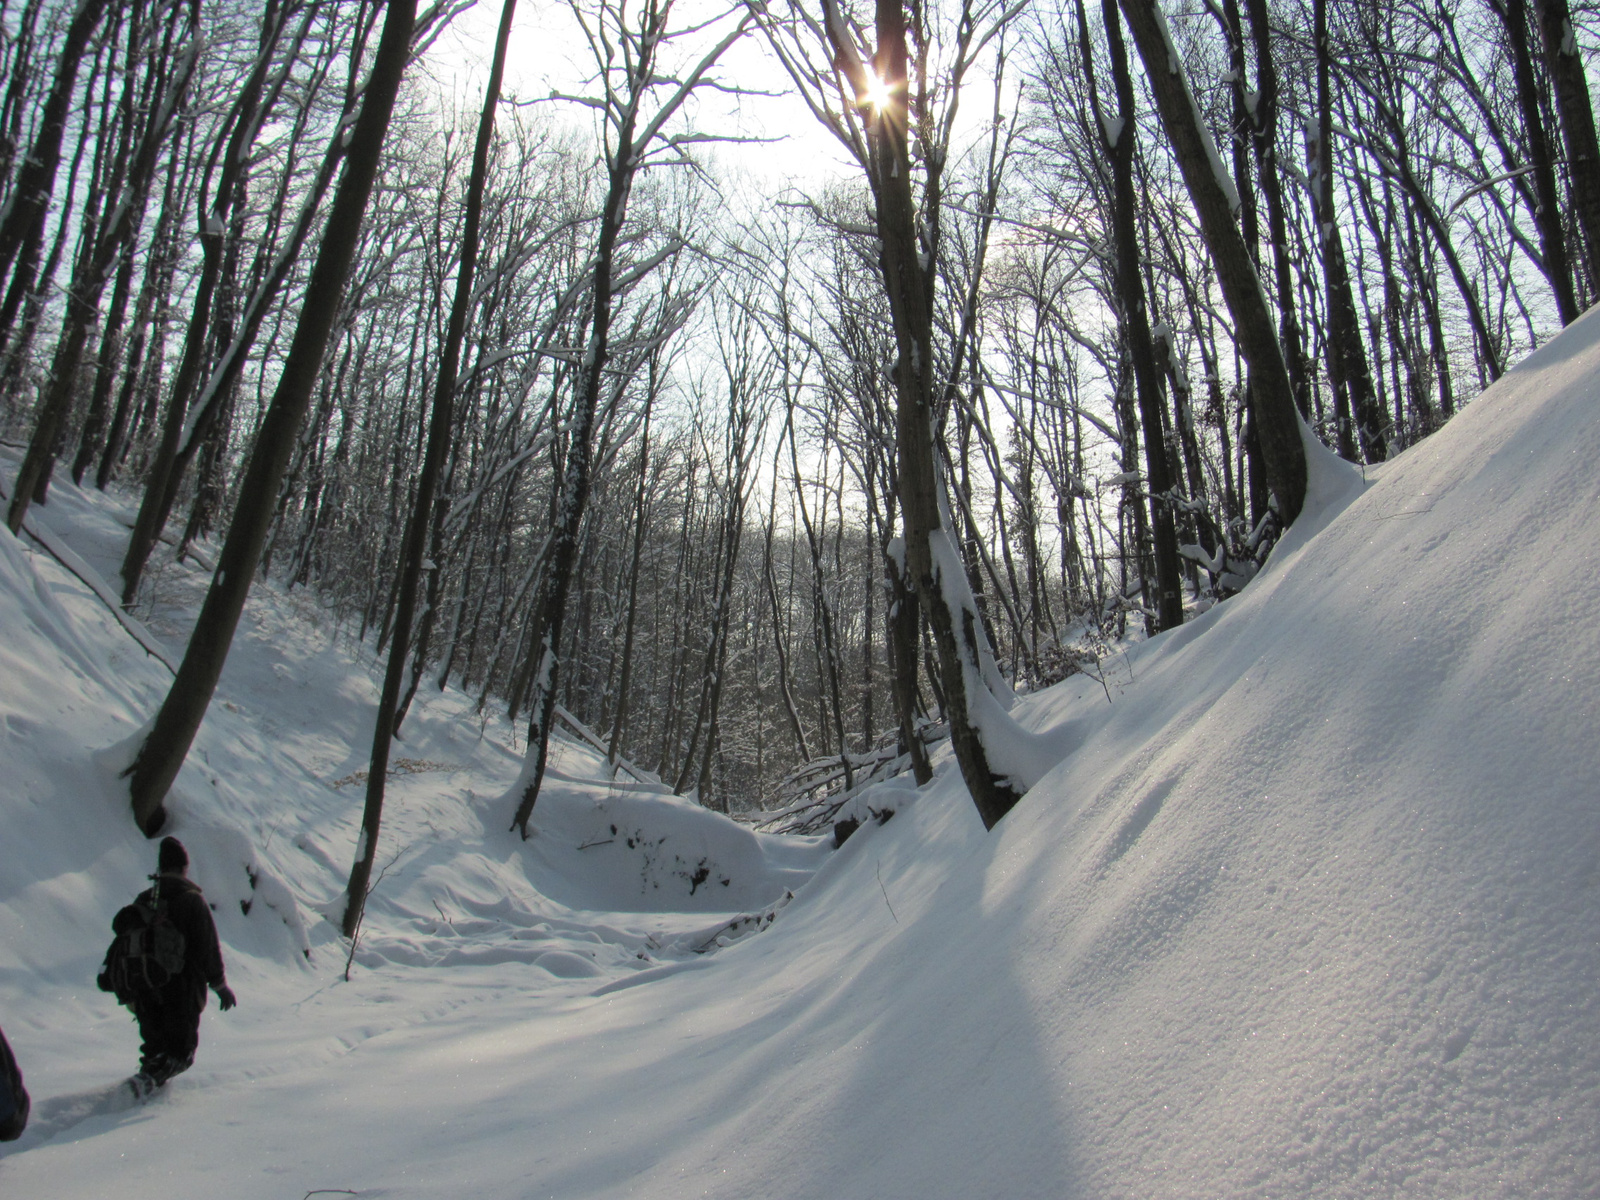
(761, 484)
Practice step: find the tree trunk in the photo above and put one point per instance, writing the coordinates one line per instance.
(785, 691)
(551, 609)
(1272, 395)
(175, 726)
(1119, 151)
(1347, 359)
(904, 629)
(83, 298)
(1565, 63)
(932, 555)
(1513, 16)
(411, 562)
(183, 431)
(641, 522)
(37, 176)
(628, 144)
(1264, 130)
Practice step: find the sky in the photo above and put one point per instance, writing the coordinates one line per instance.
(1307, 906)
(779, 142)
(548, 53)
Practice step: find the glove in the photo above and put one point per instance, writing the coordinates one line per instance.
(225, 997)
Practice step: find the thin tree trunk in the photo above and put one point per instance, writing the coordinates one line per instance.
(1264, 128)
(422, 513)
(1347, 359)
(641, 522)
(785, 691)
(1119, 151)
(182, 430)
(622, 166)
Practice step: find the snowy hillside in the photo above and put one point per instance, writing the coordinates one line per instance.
(1310, 906)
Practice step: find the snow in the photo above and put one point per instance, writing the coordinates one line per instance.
(1175, 67)
(1308, 909)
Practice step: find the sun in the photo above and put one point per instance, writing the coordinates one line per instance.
(877, 95)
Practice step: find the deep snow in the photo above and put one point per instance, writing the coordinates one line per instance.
(1309, 907)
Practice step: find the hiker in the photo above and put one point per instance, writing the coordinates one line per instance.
(13, 1096)
(168, 1008)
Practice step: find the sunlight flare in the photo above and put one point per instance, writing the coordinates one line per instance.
(877, 95)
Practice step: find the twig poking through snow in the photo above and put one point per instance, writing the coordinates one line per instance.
(885, 891)
(355, 937)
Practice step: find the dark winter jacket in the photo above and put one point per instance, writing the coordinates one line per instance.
(202, 953)
(13, 1096)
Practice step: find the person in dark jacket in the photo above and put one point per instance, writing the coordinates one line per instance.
(169, 1018)
(13, 1096)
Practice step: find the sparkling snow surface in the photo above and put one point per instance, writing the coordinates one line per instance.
(1310, 908)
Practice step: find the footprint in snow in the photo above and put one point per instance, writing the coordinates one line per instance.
(53, 1117)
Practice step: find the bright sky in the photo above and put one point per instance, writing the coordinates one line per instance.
(548, 54)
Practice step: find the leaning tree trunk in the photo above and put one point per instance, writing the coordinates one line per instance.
(175, 726)
(106, 362)
(181, 433)
(160, 254)
(1272, 395)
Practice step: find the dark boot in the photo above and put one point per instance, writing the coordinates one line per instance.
(162, 1067)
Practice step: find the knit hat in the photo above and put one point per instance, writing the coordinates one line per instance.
(172, 857)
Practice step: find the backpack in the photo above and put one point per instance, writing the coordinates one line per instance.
(148, 951)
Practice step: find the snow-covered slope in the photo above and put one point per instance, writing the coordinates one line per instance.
(1309, 908)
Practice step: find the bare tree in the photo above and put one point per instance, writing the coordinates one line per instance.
(167, 744)
(1215, 203)
(100, 254)
(24, 209)
(423, 505)
(642, 93)
(874, 111)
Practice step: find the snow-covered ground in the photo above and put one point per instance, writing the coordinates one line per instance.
(1310, 906)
